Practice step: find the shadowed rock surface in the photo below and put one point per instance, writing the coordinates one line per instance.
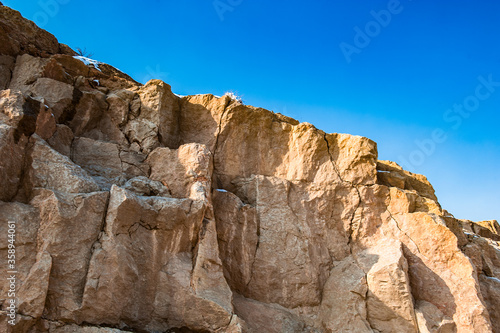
(140, 211)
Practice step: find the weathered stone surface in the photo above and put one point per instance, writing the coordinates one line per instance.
(27, 70)
(106, 162)
(160, 239)
(358, 167)
(119, 105)
(69, 226)
(238, 233)
(161, 107)
(441, 274)
(62, 139)
(19, 111)
(272, 318)
(431, 320)
(389, 300)
(208, 110)
(391, 174)
(144, 186)
(343, 307)
(490, 287)
(100, 159)
(88, 112)
(179, 169)
(11, 162)
(26, 220)
(19, 36)
(6, 68)
(33, 292)
(215, 216)
(54, 171)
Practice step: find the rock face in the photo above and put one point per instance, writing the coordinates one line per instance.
(138, 210)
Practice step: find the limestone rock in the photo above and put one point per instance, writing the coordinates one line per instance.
(161, 107)
(33, 292)
(6, 68)
(69, 226)
(100, 159)
(54, 171)
(389, 300)
(26, 219)
(343, 307)
(391, 174)
(27, 70)
(270, 318)
(208, 110)
(11, 162)
(19, 36)
(180, 169)
(62, 139)
(431, 320)
(155, 236)
(137, 210)
(144, 186)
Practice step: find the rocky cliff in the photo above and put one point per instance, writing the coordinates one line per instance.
(138, 210)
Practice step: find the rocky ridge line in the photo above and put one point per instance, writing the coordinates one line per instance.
(139, 210)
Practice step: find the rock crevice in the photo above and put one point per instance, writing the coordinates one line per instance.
(140, 210)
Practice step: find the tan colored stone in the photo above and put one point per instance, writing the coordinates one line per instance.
(100, 159)
(51, 170)
(62, 139)
(271, 318)
(27, 70)
(88, 112)
(431, 320)
(180, 169)
(293, 257)
(440, 274)
(45, 123)
(238, 233)
(490, 288)
(343, 306)
(11, 162)
(389, 300)
(56, 95)
(32, 294)
(106, 162)
(119, 106)
(145, 186)
(19, 35)
(156, 237)
(26, 220)
(208, 110)
(160, 106)
(19, 111)
(355, 158)
(69, 226)
(390, 171)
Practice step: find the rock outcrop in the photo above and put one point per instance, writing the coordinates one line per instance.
(137, 210)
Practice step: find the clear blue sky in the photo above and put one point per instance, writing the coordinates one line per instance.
(401, 82)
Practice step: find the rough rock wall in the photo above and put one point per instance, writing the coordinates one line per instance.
(138, 210)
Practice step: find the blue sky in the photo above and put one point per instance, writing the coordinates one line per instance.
(398, 86)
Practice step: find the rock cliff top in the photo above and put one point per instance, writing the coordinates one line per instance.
(138, 210)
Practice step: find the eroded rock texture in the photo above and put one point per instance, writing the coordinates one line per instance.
(138, 210)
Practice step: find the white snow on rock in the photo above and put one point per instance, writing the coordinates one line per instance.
(233, 96)
(88, 61)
